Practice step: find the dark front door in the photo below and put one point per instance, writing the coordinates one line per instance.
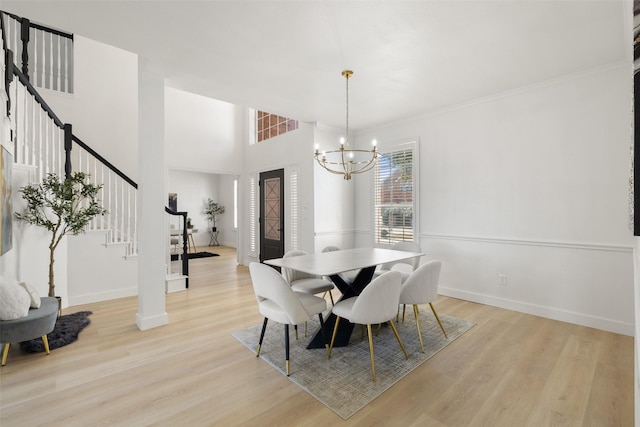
(272, 214)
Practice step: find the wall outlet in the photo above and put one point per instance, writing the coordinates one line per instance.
(502, 279)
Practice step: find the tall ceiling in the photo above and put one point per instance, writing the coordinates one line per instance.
(408, 57)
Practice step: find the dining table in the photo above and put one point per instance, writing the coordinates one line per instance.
(332, 265)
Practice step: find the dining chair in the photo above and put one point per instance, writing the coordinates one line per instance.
(405, 267)
(377, 303)
(304, 282)
(421, 288)
(279, 302)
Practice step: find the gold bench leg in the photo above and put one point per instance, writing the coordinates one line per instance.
(5, 352)
(45, 341)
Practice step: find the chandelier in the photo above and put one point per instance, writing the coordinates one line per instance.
(345, 160)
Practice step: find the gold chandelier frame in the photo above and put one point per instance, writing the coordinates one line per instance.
(347, 161)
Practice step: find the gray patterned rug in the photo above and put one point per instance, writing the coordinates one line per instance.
(344, 384)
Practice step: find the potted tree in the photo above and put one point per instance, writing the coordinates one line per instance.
(61, 206)
(212, 210)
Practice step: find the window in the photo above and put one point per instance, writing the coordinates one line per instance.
(293, 196)
(394, 201)
(269, 125)
(253, 218)
(235, 203)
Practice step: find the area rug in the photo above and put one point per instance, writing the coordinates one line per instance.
(194, 255)
(66, 331)
(344, 384)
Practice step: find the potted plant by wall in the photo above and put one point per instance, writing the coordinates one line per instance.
(61, 206)
(212, 210)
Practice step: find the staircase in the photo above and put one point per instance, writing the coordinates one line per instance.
(36, 57)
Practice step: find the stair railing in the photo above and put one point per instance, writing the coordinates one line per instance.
(184, 256)
(42, 141)
(44, 55)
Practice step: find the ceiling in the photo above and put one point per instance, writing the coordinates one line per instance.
(408, 57)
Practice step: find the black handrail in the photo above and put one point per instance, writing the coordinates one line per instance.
(39, 26)
(32, 90)
(8, 59)
(105, 162)
(25, 26)
(185, 236)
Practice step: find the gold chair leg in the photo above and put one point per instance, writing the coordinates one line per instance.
(333, 337)
(379, 327)
(373, 362)
(395, 332)
(331, 297)
(438, 319)
(415, 312)
(5, 352)
(45, 341)
(404, 310)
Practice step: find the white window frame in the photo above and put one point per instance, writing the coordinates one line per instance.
(399, 146)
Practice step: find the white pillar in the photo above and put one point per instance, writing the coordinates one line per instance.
(151, 202)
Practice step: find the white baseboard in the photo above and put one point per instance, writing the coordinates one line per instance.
(176, 283)
(542, 311)
(104, 296)
(151, 321)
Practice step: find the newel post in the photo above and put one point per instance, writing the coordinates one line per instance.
(68, 134)
(8, 77)
(24, 36)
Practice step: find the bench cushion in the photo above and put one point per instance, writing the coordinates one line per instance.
(38, 322)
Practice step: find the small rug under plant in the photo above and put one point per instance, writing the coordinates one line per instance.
(66, 331)
(194, 255)
(344, 383)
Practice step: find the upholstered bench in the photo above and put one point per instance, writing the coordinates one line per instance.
(38, 323)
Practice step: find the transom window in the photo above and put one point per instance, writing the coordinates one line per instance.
(269, 125)
(394, 196)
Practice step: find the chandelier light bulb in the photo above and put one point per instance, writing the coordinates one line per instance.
(374, 143)
(342, 140)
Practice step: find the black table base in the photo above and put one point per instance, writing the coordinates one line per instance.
(345, 328)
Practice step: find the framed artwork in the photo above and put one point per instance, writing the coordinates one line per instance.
(6, 207)
(173, 201)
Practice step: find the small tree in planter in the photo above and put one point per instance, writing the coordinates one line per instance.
(212, 210)
(61, 206)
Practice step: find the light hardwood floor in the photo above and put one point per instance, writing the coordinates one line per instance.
(511, 369)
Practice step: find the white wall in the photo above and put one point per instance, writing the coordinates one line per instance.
(203, 134)
(292, 151)
(104, 108)
(334, 198)
(532, 184)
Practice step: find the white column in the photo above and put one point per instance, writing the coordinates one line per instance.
(151, 192)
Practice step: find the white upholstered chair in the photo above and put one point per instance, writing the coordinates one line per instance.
(304, 282)
(405, 267)
(422, 288)
(279, 302)
(378, 303)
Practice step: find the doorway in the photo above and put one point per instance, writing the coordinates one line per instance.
(271, 214)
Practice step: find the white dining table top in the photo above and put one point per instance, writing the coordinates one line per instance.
(329, 263)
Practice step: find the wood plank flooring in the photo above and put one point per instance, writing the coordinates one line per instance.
(511, 369)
